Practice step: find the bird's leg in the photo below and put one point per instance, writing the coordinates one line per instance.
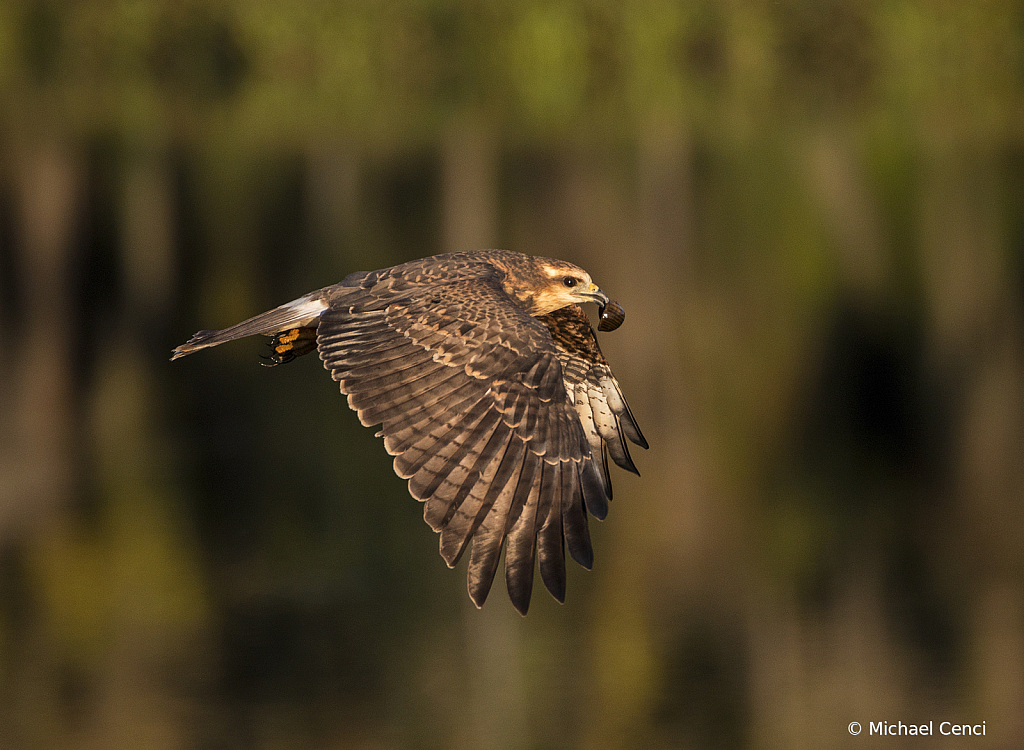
(287, 345)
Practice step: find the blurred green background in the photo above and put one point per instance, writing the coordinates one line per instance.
(813, 213)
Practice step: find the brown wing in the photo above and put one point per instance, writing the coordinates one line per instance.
(470, 393)
(594, 391)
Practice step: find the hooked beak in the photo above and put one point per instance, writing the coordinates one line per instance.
(594, 294)
(612, 314)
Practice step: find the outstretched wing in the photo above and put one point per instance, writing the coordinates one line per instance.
(471, 397)
(594, 391)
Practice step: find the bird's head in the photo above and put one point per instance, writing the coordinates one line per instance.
(560, 284)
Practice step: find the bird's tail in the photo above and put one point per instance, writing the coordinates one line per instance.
(301, 313)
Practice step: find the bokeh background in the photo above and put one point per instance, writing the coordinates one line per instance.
(813, 213)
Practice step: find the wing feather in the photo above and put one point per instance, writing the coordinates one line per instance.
(577, 533)
(460, 526)
(449, 460)
(550, 537)
(488, 540)
(522, 533)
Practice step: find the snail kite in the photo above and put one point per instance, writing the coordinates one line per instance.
(492, 395)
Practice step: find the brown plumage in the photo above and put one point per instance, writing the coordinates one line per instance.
(492, 395)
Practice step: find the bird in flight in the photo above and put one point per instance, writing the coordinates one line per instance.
(484, 373)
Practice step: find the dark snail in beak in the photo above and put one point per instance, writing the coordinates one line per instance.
(612, 316)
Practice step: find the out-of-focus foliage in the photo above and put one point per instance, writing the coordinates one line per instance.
(812, 213)
(388, 73)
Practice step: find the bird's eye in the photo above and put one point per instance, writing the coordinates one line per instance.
(570, 281)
